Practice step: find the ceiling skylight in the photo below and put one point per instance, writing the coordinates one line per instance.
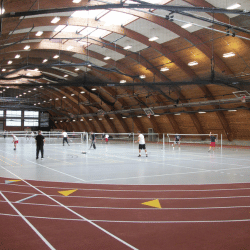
(117, 18)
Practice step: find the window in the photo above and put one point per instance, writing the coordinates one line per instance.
(31, 114)
(13, 122)
(31, 123)
(1, 113)
(13, 113)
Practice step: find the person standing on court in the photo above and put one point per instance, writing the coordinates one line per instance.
(106, 138)
(177, 140)
(212, 143)
(93, 140)
(65, 137)
(39, 144)
(15, 141)
(142, 145)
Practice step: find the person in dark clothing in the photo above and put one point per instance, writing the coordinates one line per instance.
(93, 140)
(177, 140)
(212, 143)
(39, 144)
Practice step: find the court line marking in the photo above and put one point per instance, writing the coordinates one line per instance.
(139, 222)
(23, 217)
(72, 211)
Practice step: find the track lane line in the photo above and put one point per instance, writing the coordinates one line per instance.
(23, 217)
(72, 211)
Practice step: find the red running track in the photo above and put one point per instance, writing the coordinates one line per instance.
(33, 215)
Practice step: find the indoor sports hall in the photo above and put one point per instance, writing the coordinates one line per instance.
(124, 124)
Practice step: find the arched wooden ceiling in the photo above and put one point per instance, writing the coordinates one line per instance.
(83, 91)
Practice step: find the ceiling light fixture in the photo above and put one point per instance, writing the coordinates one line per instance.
(230, 54)
(45, 60)
(65, 75)
(187, 25)
(234, 6)
(106, 58)
(142, 76)
(55, 20)
(17, 56)
(192, 63)
(82, 92)
(26, 47)
(123, 81)
(127, 47)
(154, 38)
(55, 56)
(77, 1)
(202, 112)
(39, 33)
(164, 69)
(9, 62)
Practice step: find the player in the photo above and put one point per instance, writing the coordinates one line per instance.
(93, 140)
(39, 144)
(65, 137)
(177, 140)
(142, 145)
(106, 138)
(15, 141)
(212, 143)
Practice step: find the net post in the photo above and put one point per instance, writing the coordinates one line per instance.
(133, 138)
(163, 141)
(221, 143)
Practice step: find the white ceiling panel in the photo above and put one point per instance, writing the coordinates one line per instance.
(245, 4)
(106, 52)
(125, 41)
(150, 29)
(89, 59)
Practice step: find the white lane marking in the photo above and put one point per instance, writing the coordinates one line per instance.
(150, 222)
(23, 217)
(72, 211)
(27, 198)
(135, 190)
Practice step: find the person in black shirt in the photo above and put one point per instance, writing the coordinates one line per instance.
(212, 143)
(39, 144)
(93, 140)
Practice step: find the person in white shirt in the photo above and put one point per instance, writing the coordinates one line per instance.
(65, 137)
(15, 141)
(106, 138)
(142, 145)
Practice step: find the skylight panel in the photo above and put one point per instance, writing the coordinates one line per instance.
(117, 18)
(71, 28)
(87, 31)
(100, 33)
(59, 28)
(89, 14)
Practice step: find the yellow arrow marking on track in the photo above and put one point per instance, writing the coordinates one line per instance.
(11, 181)
(67, 192)
(153, 203)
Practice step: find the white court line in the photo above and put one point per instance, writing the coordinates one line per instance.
(23, 217)
(72, 211)
(138, 222)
